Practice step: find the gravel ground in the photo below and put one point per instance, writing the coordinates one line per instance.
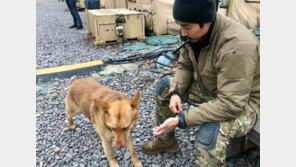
(56, 145)
(58, 45)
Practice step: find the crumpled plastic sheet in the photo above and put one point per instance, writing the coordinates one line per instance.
(163, 40)
(109, 70)
(134, 47)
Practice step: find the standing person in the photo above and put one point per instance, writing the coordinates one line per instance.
(219, 68)
(76, 18)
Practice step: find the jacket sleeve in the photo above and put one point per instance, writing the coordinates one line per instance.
(235, 72)
(184, 73)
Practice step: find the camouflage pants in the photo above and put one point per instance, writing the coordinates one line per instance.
(230, 129)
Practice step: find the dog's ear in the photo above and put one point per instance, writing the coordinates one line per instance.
(135, 100)
(102, 105)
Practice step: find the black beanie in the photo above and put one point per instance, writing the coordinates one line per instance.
(195, 11)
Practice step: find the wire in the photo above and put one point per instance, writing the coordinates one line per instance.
(149, 55)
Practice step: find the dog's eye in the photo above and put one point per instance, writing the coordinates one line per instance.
(124, 129)
(113, 129)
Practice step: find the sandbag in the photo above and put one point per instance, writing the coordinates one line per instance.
(144, 6)
(163, 40)
(222, 11)
(246, 12)
(162, 14)
(113, 4)
(143, 2)
(173, 27)
(134, 47)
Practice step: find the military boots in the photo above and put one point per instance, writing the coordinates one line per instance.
(169, 145)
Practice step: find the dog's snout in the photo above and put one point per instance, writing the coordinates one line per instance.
(118, 146)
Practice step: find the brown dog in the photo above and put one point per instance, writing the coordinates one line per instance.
(113, 114)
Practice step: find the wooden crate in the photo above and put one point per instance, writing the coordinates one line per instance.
(101, 23)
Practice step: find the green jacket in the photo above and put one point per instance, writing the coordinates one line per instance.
(229, 69)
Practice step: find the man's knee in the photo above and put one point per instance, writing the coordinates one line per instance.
(215, 156)
(162, 87)
(162, 100)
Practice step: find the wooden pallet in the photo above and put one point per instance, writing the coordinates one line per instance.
(90, 36)
(100, 43)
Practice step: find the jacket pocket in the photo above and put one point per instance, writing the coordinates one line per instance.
(235, 66)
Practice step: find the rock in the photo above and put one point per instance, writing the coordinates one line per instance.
(196, 161)
(159, 157)
(65, 149)
(192, 138)
(155, 165)
(57, 149)
(41, 163)
(172, 162)
(126, 156)
(85, 149)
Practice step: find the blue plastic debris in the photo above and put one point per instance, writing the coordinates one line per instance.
(256, 31)
(41, 90)
(163, 40)
(134, 47)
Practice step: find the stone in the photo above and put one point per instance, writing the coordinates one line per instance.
(57, 149)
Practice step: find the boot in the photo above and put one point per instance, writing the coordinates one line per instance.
(73, 26)
(169, 145)
(79, 27)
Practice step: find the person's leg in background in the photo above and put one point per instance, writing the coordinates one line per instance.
(76, 14)
(73, 16)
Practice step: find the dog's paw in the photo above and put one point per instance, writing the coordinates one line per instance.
(72, 126)
(114, 165)
(138, 164)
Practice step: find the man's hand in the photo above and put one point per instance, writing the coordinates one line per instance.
(175, 104)
(167, 126)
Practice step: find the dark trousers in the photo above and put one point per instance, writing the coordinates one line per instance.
(73, 9)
